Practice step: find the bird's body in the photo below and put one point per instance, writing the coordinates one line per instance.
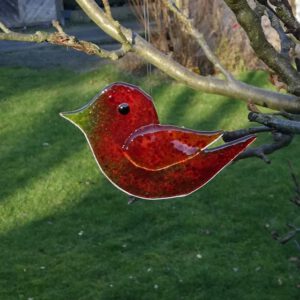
(143, 158)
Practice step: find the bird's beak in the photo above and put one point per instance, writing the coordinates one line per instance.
(67, 115)
(80, 118)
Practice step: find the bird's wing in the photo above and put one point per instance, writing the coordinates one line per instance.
(156, 147)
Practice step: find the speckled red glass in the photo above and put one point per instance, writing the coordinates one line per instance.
(142, 157)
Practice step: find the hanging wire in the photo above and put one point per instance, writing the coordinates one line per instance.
(148, 29)
(147, 32)
(145, 19)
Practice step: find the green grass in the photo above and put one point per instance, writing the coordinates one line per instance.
(66, 233)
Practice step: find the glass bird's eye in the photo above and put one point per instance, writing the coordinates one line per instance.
(124, 109)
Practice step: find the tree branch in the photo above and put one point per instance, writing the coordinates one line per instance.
(199, 37)
(282, 130)
(232, 89)
(229, 136)
(289, 116)
(133, 42)
(125, 42)
(285, 13)
(286, 44)
(107, 9)
(4, 28)
(286, 126)
(264, 50)
(62, 39)
(280, 140)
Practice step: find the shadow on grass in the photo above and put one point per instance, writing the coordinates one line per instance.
(47, 142)
(181, 106)
(79, 254)
(104, 249)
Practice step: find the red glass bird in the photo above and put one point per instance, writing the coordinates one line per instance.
(143, 158)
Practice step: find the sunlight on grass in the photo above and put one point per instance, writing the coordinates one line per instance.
(36, 200)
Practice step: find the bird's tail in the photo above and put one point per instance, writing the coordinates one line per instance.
(235, 147)
(223, 155)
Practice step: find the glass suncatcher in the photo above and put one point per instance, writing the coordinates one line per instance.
(140, 156)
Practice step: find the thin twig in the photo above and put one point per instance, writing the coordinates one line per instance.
(126, 44)
(229, 136)
(107, 9)
(280, 140)
(58, 27)
(289, 116)
(4, 28)
(287, 126)
(199, 38)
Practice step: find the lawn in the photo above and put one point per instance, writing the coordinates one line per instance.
(67, 234)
